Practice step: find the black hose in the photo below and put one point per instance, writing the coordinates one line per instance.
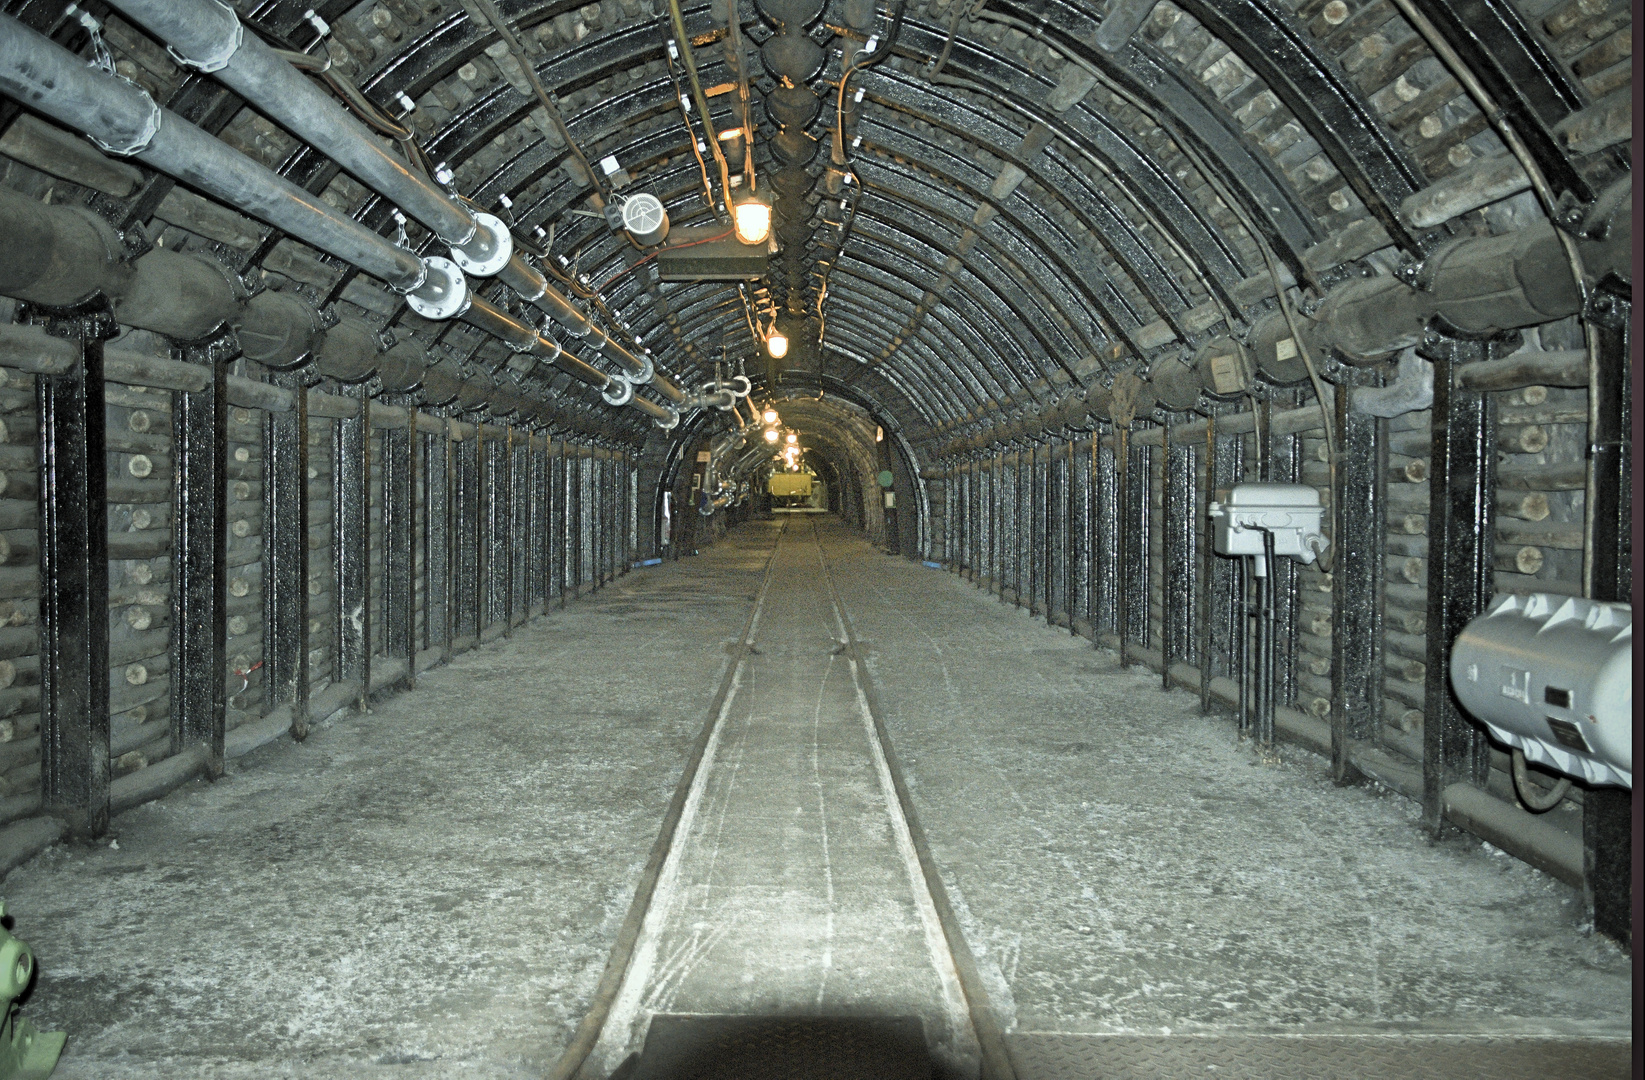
(1538, 802)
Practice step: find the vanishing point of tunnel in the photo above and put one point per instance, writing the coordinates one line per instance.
(817, 539)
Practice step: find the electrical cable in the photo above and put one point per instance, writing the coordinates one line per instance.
(684, 43)
(855, 66)
(936, 65)
(840, 155)
(495, 18)
(1327, 558)
(691, 134)
(367, 110)
(734, 25)
(1538, 802)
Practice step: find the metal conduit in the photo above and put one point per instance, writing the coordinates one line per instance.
(209, 36)
(123, 119)
(530, 283)
(522, 338)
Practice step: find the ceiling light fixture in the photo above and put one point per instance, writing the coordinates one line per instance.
(777, 345)
(752, 214)
(770, 434)
(770, 416)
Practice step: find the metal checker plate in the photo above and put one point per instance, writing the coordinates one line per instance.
(1318, 1057)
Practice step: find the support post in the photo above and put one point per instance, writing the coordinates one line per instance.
(1079, 537)
(577, 521)
(74, 584)
(1225, 622)
(351, 517)
(1005, 521)
(557, 521)
(1134, 561)
(1607, 812)
(199, 431)
(1105, 591)
(465, 622)
(1283, 457)
(285, 556)
(399, 538)
(1181, 556)
(1122, 516)
(1359, 521)
(437, 541)
(486, 498)
(1034, 540)
(1461, 519)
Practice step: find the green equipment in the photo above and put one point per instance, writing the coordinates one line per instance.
(25, 1054)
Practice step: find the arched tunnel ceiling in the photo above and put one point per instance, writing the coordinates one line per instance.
(1033, 200)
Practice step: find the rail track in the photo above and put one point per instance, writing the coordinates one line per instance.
(750, 916)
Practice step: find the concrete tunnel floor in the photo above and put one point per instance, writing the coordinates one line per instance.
(431, 889)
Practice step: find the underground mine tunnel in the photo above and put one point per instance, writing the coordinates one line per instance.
(816, 538)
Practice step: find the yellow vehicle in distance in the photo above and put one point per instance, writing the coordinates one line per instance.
(787, 484)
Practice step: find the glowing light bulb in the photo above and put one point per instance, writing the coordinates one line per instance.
(792, 438)
(769, 416)
(770, 435)
(777, 344)
(753, 219)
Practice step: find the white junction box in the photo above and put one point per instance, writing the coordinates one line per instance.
(1290, 512)
(1554, 677)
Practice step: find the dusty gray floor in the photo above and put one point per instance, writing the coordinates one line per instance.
(431, 890)
(1123, 866)
(427, 891)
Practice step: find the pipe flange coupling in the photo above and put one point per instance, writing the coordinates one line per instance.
(645, 374)
(140, 138)
(443, 293)
(230, 45)
(624, 391)
(670, 422)
(488, 250)
(748, 386)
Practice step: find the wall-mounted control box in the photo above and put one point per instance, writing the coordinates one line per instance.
(1291, 513)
